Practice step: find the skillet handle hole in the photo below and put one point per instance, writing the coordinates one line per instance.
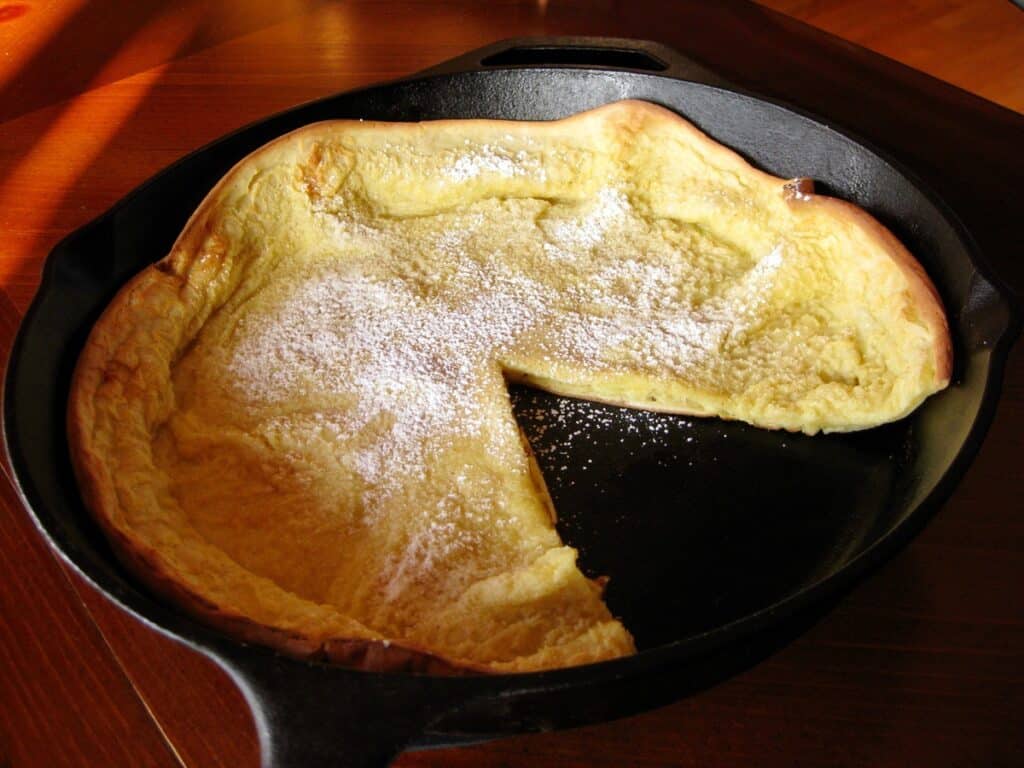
(580, 56)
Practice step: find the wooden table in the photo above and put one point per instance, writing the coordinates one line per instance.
(922, 665)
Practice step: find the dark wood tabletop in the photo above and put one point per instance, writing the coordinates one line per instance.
(921, 665)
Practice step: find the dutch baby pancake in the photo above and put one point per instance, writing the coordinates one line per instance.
(297, 426)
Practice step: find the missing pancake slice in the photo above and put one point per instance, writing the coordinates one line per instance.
(296, 425)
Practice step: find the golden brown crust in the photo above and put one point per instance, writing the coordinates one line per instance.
(148, 567)
(97, 486)
(366, 655)
(925, 296)
(795, 191)
(99, 496)
(800, 192)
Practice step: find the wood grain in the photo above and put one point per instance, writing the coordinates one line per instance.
(974, 44)
(64, 699)
(921, 665)
(207, 719)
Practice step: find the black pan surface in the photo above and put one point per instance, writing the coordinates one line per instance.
(722, 541)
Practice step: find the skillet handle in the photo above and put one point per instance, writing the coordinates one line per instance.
(644, 56)
(991, 315)
(329, 717)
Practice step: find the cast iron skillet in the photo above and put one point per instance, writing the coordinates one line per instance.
(722, 541)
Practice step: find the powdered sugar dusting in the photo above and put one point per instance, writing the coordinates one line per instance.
(634, 316)
(396, 357)
(576, 420)
(404, 355)
(477, 160)
(575, 233)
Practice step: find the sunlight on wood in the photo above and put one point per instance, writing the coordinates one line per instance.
(64, 152)
(22, 37)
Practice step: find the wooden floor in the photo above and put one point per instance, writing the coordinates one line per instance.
(977, 45)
